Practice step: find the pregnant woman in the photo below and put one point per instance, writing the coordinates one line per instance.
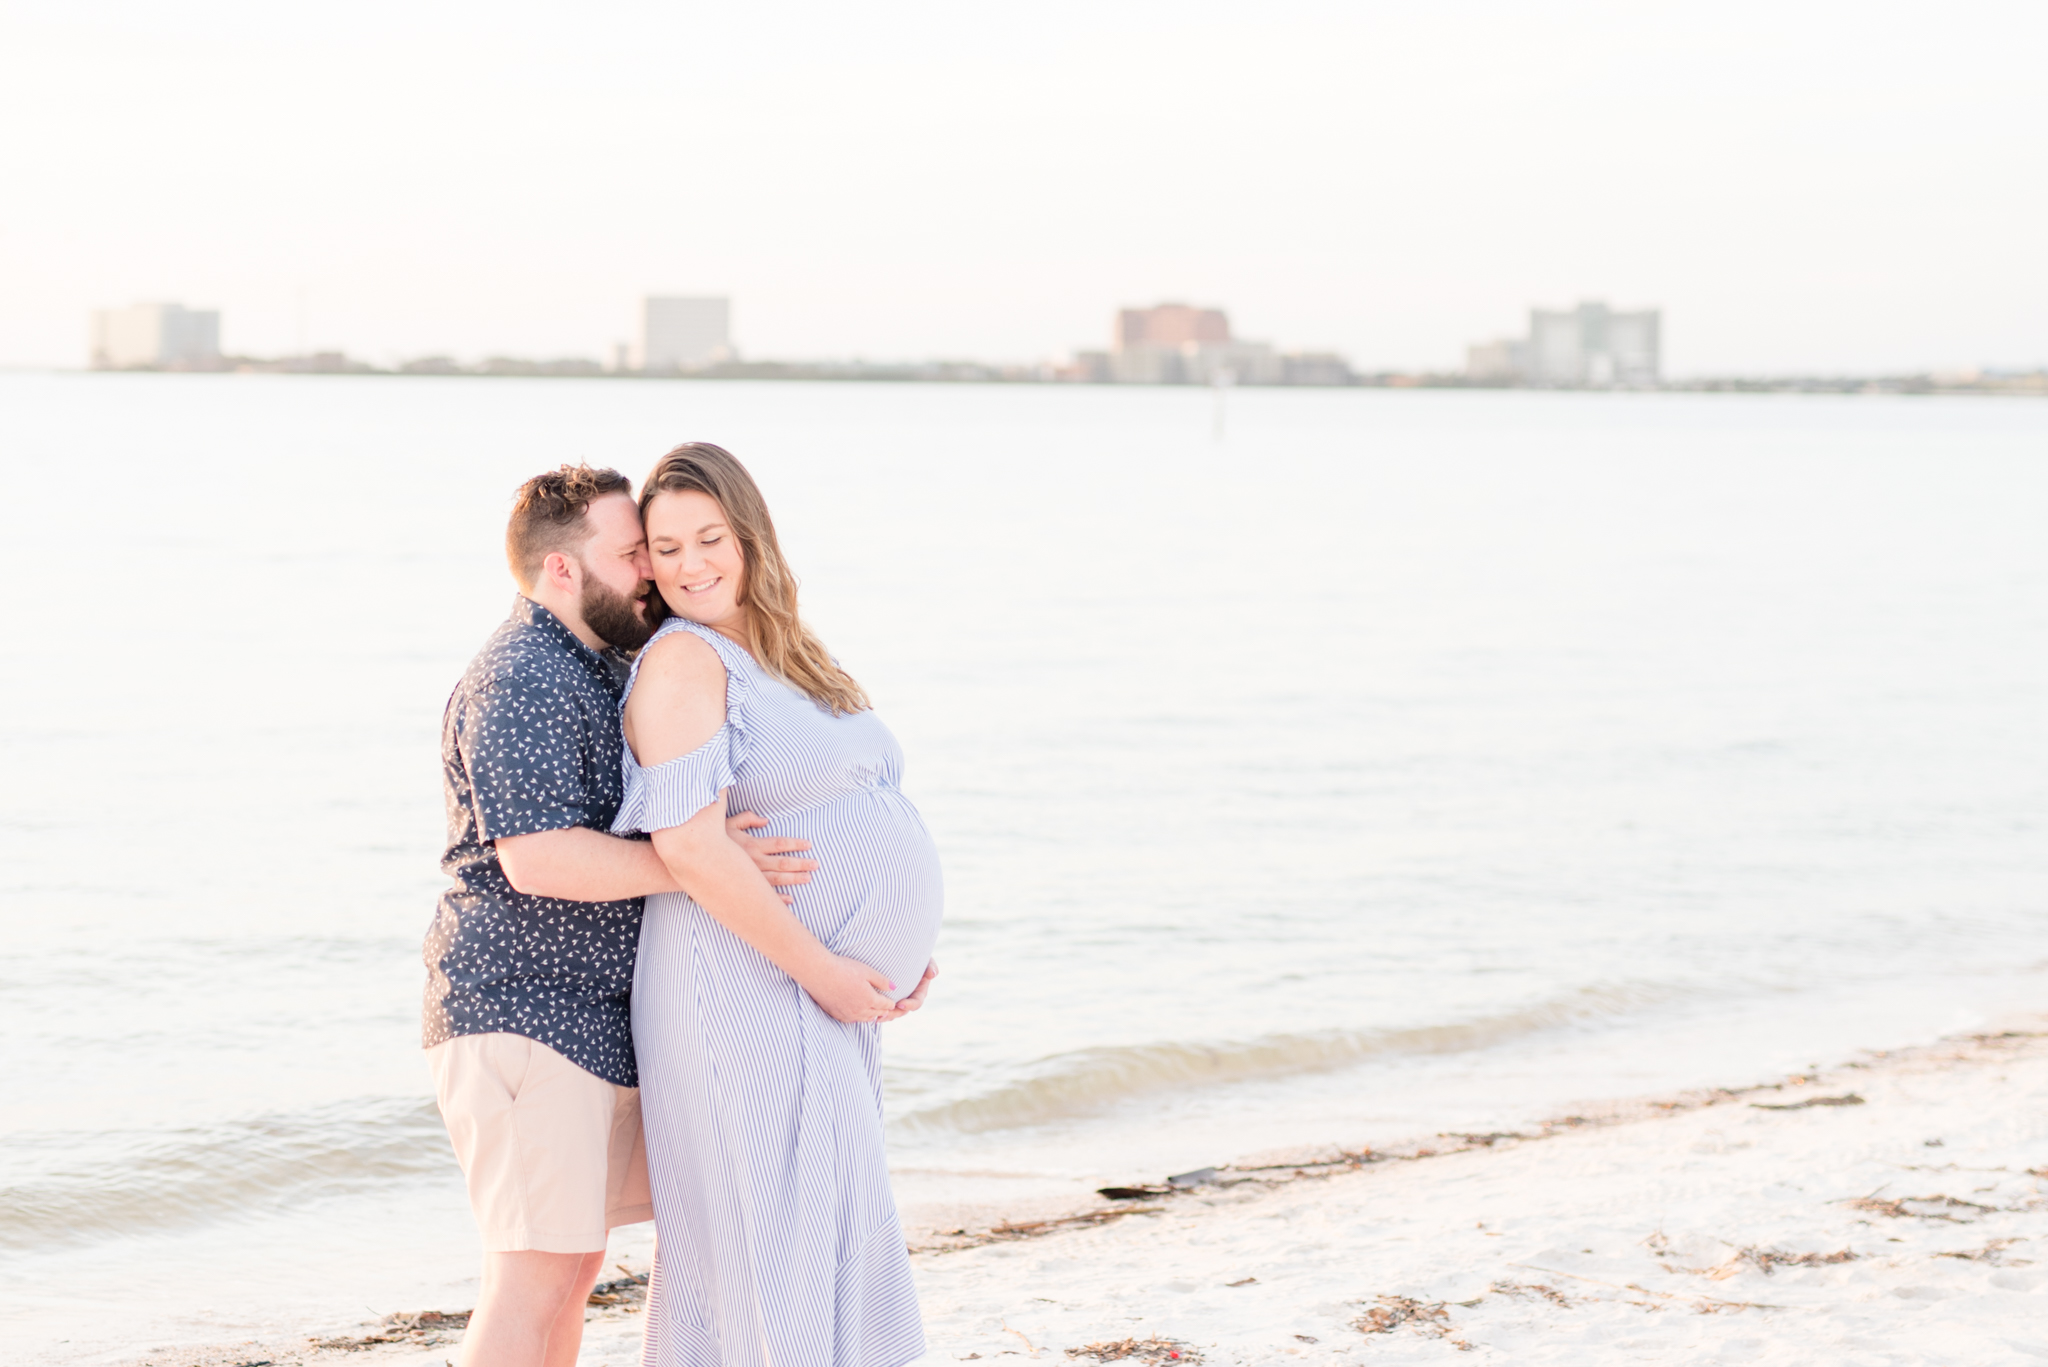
(756, 1022)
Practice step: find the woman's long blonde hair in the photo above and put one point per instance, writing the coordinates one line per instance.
(781, 642)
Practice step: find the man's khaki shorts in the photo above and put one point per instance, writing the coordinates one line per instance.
(553, 1155)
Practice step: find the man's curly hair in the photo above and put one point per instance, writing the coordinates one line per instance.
(551, 513)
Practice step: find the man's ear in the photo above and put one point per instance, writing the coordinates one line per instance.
(562, 571)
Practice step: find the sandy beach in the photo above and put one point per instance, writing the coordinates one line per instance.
(1889, 1209)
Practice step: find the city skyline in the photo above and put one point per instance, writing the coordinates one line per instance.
(1591, 346)
(1503, 358)
(1389, 182)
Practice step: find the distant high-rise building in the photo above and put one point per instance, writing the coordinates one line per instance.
(155, 337)
(684, 334)
(1176, 344)
(1591, 345)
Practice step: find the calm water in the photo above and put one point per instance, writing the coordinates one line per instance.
(1387, 763)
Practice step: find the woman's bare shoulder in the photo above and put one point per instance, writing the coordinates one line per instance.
(678, 699)
(681, 659)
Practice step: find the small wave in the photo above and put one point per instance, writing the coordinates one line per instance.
(65, 1190)
(162, 1180)
(1090, 1080)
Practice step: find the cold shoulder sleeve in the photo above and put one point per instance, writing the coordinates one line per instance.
(670, 794)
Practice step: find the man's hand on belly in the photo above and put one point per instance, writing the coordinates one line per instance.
(771, 854)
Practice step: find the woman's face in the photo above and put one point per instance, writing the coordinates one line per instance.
(698, 566)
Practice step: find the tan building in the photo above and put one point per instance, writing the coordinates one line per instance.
(1170, 325)
(1178, 344)
(1505, 361)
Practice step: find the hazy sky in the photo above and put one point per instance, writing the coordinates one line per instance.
(1801, 187)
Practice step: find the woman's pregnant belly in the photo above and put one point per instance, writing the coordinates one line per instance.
(876, 894)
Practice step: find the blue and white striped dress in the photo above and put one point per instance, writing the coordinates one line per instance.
(778, 1239)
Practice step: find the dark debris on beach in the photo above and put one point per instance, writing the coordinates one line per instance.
(620, 1293)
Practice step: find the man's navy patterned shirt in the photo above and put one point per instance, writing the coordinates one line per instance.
(530, 742)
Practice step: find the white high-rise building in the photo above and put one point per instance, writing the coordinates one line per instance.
(1590, 346)
(684, 334)
(1593, 345)
(155, 336)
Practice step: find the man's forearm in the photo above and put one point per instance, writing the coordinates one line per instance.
(578, 864)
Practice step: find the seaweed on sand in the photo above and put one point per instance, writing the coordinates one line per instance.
(1152, 1350)
(1900, 1207)
(418, 1326)
(1009, 1231)
(1428, 1319)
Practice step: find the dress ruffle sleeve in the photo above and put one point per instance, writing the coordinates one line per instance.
(670, 794)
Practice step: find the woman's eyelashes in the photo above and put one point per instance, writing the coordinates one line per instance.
(666, 551)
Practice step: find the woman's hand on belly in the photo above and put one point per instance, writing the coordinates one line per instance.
(848, 990)
(719, 877)
(915, 999)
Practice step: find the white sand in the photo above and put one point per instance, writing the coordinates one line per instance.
(1643, 1238)
(1636, 1229)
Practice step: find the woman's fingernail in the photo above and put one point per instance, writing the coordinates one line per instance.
(892, 987)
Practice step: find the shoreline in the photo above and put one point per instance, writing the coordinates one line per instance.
(1769, 1223)
(1997, 383)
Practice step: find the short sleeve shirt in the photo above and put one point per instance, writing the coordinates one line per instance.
(530, 742)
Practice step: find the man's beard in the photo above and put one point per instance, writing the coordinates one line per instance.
(618, 620)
